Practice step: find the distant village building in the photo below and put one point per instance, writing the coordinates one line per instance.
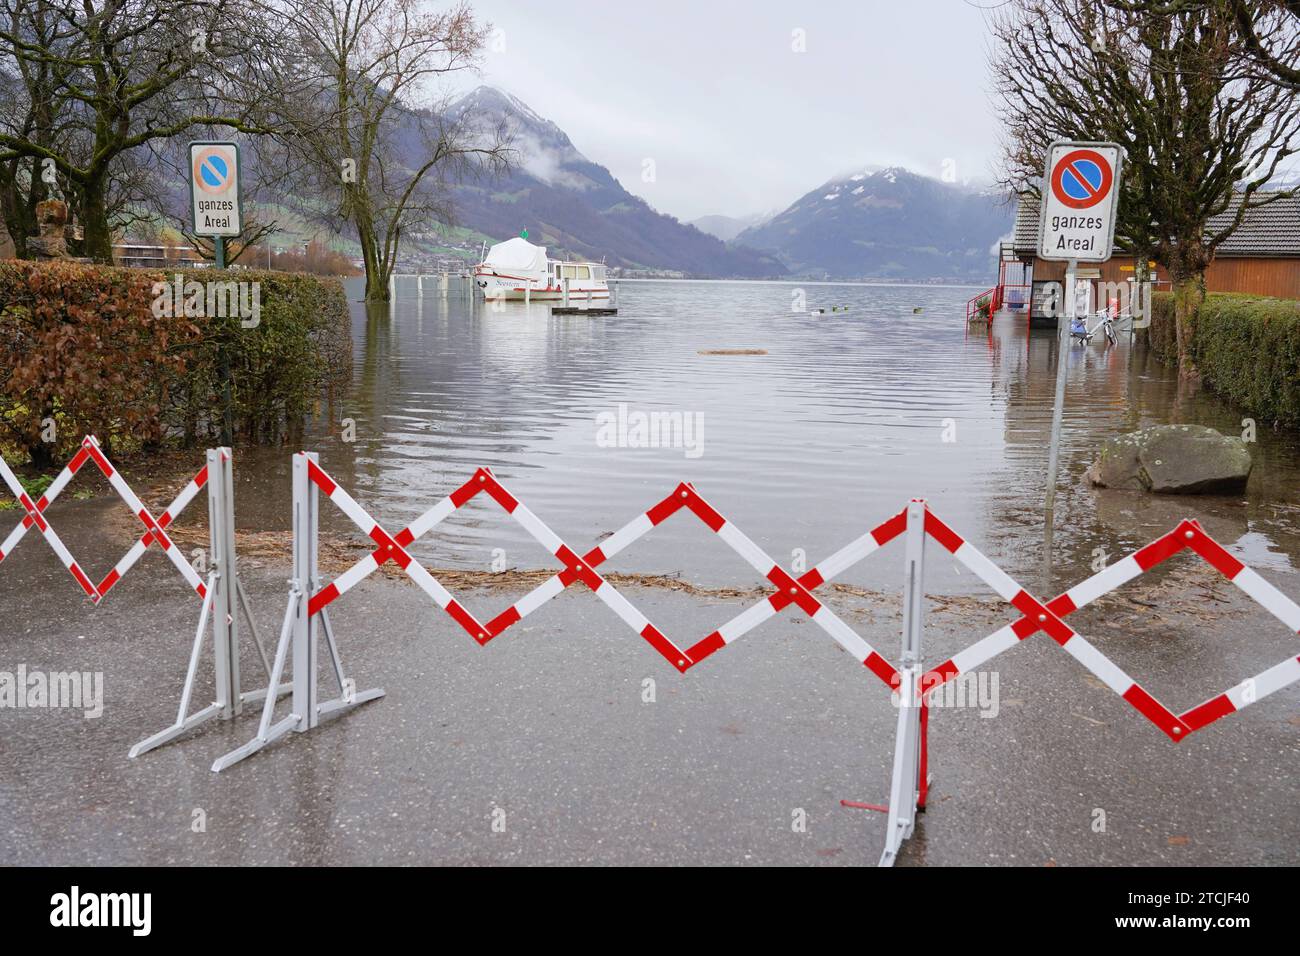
(1262, 257)
(141, 255)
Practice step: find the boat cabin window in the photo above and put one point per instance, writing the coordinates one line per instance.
(577, 272)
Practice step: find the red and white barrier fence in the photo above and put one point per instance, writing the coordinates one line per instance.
(310, 599)
(307, 611)
(1188, 535)
(155, 529)
(219, 595)
(789, 591)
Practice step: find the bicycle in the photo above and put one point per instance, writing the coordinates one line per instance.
(1079, 331)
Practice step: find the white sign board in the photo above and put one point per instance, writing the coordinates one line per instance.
(1080, 199)
(214, 189)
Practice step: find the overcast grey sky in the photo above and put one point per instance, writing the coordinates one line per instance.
(735, 120)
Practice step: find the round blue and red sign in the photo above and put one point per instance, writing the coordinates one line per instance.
(1082, 178)
(213, 169)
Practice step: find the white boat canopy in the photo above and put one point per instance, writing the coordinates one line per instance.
(517, 255)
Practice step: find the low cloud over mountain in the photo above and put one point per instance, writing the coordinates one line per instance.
(567, 201)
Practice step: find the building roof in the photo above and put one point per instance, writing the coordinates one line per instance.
(1272, 230)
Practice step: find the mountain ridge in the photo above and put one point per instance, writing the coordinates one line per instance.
(888, 223)
(566, 200)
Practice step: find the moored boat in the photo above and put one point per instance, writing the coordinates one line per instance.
(517, 269)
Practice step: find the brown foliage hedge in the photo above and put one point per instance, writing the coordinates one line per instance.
(83, 346)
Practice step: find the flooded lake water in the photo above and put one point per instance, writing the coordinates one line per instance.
(846, 416)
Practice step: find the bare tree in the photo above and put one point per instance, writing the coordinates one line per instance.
(357, 84)
(1277, 52)
(97, 81)
(1178, 88)
(28, 112)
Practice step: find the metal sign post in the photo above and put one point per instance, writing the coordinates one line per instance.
(216, 211)
(1080, 200)
(1065, 317)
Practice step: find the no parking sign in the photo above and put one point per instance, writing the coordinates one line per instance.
(214, 188)
(1079, 203)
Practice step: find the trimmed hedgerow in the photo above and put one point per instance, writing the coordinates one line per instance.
(1246, 348)
(83, 354)
(300, 346)
(91, 349)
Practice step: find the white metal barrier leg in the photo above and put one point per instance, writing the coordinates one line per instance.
(904, 789)
(222, 604)
(299, 633)
(266, 733)
(306, 515)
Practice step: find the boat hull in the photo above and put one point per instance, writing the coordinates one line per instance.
(516, 288)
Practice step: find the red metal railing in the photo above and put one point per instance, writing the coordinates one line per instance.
(997, 297)
(973, 303)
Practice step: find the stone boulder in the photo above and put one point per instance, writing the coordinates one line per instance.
(52, 221)
(52, 213)
(1173, 460)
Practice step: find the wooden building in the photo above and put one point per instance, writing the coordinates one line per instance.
(1261, 257)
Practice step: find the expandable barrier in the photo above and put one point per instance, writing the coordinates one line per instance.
(218, 596)
(310, 598)
(307, 610)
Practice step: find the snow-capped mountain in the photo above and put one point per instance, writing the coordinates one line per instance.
(888, 223)
(572, 204)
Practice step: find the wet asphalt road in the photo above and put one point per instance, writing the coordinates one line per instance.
(547, 723)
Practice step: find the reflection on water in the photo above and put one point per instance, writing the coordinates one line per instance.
(834, 428)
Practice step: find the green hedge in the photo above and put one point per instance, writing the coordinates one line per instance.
(1247, 349)
(301, 346)
(102, 350)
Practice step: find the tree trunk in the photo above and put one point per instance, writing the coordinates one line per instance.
(1189, 293)
(376, 280)
(19, 210)
(98, 244)
(1187, 262)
